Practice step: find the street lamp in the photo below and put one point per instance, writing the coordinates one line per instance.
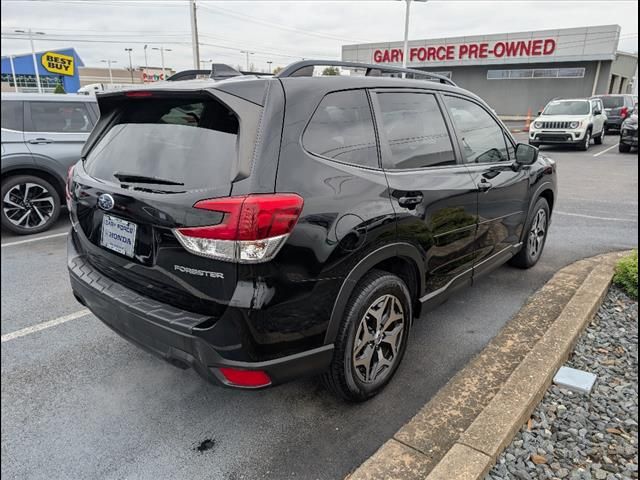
(405, 53)
(162, 50)
(146, 63)
(129, 50)
(109, 62)
(269, 62)
(247, 53)
(33, 54)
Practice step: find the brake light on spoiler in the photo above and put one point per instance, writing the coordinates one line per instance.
(253, 229)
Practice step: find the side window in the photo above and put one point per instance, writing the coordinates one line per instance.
(342, 129)
(482, 138)
(188, 115)
(63, 117)
(12, 115)
(416, 131)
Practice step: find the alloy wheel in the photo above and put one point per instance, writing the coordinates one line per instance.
(28, 205)
(378, 338)
(537, 233)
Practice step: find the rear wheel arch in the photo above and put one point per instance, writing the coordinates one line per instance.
(49, 177)
(401, 259)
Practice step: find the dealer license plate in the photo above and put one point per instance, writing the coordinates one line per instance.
(118, 235)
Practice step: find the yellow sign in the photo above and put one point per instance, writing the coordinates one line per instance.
(58, 63)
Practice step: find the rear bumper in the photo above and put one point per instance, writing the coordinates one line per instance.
(167, 331)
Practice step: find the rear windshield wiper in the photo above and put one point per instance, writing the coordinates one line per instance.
(133, 178)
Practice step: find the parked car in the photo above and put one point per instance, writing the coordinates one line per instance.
(570, 122)
(302, 224)
(618, 108)
(42, 136)
(629, 132)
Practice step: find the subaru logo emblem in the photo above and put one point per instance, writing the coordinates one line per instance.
(106, 202)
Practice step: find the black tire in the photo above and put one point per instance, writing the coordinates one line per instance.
(586, 143)
(527, 257)
(43, 205)
(344, 378)
(599, 140)
(624, 148)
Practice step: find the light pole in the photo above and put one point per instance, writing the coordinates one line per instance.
(405, 53)
(269, 62)
(33, 54)
(247, 53)
(146, 63)
(13, 73)
(129, 50)
(109, 62)
(162, 50)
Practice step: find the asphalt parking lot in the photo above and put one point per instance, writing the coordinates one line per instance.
(80, 402)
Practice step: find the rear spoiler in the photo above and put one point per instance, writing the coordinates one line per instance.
(219, 71)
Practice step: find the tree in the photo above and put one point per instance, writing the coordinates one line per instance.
(59, 88)
(331, 71)
(277, 70)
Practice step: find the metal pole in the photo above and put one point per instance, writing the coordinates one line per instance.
(595, 80)
(194, 35)
(110, 74)
(269, 63)
(13, 73)
(405, 53)
(129, 50)
(164, 74)
(146, 64)
(35, 62)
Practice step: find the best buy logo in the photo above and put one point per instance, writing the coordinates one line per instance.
(58, 63)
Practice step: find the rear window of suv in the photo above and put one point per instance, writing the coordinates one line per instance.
(613, 102)
(188, 141)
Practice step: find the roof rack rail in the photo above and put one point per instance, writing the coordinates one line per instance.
(305, 68)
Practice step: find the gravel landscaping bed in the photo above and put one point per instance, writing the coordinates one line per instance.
(576, 436)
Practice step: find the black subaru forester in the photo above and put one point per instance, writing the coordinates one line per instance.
(260, 229)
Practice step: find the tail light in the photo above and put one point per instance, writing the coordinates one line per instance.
(67, 187)
(245, 378)
(624, 112)
(253, 229)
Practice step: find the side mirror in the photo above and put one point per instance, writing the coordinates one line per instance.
(526, 154)
(539, 112)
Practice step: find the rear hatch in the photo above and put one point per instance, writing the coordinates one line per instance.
(152, 157)
(614, 107)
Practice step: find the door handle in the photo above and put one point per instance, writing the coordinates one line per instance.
(40, 140)
(409, 201)
(485, 185)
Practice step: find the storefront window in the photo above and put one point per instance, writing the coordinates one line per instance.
(29, 82)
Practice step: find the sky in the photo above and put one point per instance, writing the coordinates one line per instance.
(280, 31)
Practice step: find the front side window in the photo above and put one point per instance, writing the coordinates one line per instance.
(577, 107)
(482, 138)
(60, 117)
(342, 129)
(415, 130)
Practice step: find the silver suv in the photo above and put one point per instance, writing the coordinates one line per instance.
(42, 136)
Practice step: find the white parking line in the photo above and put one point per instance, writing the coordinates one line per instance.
(44, 325)
(29, 240)
(609, 219)
(606, 150)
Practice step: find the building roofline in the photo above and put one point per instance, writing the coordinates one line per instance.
(59, 50)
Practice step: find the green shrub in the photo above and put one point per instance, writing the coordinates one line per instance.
(626, 276)
(59, 89)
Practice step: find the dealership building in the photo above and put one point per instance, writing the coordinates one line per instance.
(518, 73)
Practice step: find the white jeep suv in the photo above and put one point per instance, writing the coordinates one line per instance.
(570, 122)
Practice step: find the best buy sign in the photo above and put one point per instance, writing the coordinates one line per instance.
(58, 63)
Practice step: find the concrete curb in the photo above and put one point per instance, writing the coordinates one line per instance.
(462, 430)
